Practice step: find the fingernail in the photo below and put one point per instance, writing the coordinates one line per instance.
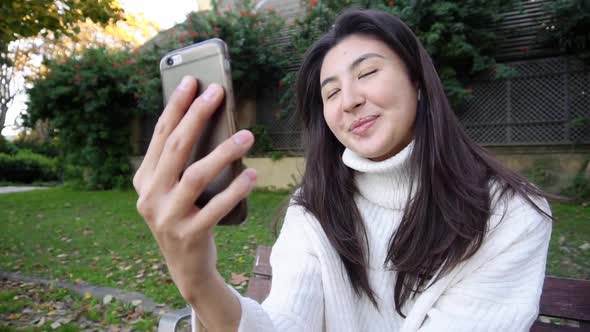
(250, 174)
(211, 91)
(242, 137)
(185, 83)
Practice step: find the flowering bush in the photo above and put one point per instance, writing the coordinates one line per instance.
(90, 103)
(91, 98)
(256, 61)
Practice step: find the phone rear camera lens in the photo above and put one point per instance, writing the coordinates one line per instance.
(170, 61)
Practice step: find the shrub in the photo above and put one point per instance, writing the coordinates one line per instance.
(262, 141)
(455, 34)
(580, 186)
(6, 146)
(89, 102)
(26, 167)
(48, 149)
(579, 189)
(569, 28)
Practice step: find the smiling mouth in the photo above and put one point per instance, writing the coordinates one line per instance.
(362, 121)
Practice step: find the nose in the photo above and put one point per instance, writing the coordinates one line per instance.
(352, 98)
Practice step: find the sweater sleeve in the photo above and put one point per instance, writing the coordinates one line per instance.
(295, 302)
(503, 293)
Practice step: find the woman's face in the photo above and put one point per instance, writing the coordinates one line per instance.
(369, 100)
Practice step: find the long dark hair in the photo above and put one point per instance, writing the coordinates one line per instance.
(445, 222)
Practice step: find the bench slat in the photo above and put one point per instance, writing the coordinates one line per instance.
(566, 298)
(258, 288)
(546, 327)
(561, 297)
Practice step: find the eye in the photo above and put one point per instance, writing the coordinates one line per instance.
(331, 94)
(367, 74)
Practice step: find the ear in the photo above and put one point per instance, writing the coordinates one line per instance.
(418, 90)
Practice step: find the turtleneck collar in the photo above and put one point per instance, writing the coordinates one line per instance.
(385, 183)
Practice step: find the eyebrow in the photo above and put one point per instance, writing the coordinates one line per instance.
(354, 64)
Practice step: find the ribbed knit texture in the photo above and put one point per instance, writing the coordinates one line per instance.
(498, 289)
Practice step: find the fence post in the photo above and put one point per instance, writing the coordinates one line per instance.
(508, 111)
(566, 86)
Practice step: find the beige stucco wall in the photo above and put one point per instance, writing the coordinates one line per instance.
(560, 165)
(272, 174)
(277, 174)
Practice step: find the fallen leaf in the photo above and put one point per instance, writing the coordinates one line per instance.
(238, 279)
(55, 325)
(65, 320)
(135, 303)
(107, 299)
(13, 316)
(40, 322)
(87, 295)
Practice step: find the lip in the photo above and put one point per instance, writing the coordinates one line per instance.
(363, 121)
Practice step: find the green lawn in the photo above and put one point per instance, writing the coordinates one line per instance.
(98, 237)
(569, 250)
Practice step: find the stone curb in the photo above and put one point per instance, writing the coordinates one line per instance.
(122, 296)
(18, 189)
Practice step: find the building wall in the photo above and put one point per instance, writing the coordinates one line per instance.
(551, 167)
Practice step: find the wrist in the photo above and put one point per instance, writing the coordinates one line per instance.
(207, 286)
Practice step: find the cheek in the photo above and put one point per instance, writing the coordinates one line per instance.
(331, 118)
(397, 97)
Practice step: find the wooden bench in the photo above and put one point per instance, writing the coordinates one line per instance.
(561, 299)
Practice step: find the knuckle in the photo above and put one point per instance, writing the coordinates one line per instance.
(193, 178)
(175, 143)
(202, 109)
(137, 180)
(136, 183)
(144, 207)
(228, 151)
(160, 227)
(161, 127)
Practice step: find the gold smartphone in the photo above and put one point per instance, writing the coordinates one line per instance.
(208, 62)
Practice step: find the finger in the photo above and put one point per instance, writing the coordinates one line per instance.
(221, 204)
(179, 102)
(197, 176)
(180, 142)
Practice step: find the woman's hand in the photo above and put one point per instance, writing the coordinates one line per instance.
(183, 231)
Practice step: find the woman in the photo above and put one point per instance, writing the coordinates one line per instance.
(401, 223)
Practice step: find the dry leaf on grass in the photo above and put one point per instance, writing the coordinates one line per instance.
(238, 279)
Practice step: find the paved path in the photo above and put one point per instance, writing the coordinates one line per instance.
(133, 298)
(15, 189)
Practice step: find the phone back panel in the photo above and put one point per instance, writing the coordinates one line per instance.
(208, 62)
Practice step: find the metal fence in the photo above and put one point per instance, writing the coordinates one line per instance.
(546, 101)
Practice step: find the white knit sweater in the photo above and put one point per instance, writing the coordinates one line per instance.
(497, 289)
